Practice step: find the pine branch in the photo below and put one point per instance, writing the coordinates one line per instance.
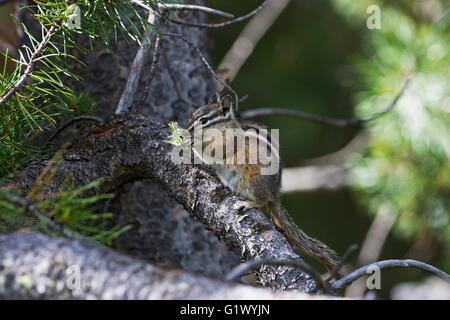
(30, 65)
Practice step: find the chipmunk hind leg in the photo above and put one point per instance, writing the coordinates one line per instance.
(256, 190)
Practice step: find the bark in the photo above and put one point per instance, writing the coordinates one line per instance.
(127, 151)
(50, 267)
(163, 233)
(127, 148)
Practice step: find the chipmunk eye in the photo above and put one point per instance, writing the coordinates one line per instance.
(204, 120)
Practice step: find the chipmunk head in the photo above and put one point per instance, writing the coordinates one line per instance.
(212, 113)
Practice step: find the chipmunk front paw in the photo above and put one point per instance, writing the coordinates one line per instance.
(241, 206)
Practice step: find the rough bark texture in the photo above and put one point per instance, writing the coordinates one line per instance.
(129, 147)
(162, 232)
(46, 272)
(127, 151)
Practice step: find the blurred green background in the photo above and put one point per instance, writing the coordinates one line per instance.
(320, 57)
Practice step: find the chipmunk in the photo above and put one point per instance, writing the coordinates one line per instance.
(245, 177)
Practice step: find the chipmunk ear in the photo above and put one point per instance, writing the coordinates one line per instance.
(226, 105)
(215, 98)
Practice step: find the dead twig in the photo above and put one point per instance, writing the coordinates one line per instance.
(323, 120)
(208, 66)
(140, 59)
(156, 53)
(73, 120)
(223, 24)
(344, 258)
(407, 263)
(191, 7)
(137, 67)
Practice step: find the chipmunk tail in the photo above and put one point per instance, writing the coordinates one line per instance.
(302, 241)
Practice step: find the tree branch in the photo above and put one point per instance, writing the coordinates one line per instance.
(129, 91)
(208, 66)
(348, 279)
(223, 24)
(344, 258)
(73, 120)
(241, 269)
(162, 231)
(191, 7)
(35, 266)
(323, 120)
(127, 148)
(140, 58)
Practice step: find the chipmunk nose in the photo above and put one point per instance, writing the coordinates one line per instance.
(189, 124)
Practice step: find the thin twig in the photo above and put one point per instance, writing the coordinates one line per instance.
(190, 7)
(407, 263)
(323, 120)
(69, 122)
(208, 66)
(223, 24)
(241, 269)
(30, 65)
(137, 68)
(193, 7)
(242, 99)
(344, 258)
(155, 59)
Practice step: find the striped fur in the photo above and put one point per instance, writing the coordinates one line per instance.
(247, 180)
